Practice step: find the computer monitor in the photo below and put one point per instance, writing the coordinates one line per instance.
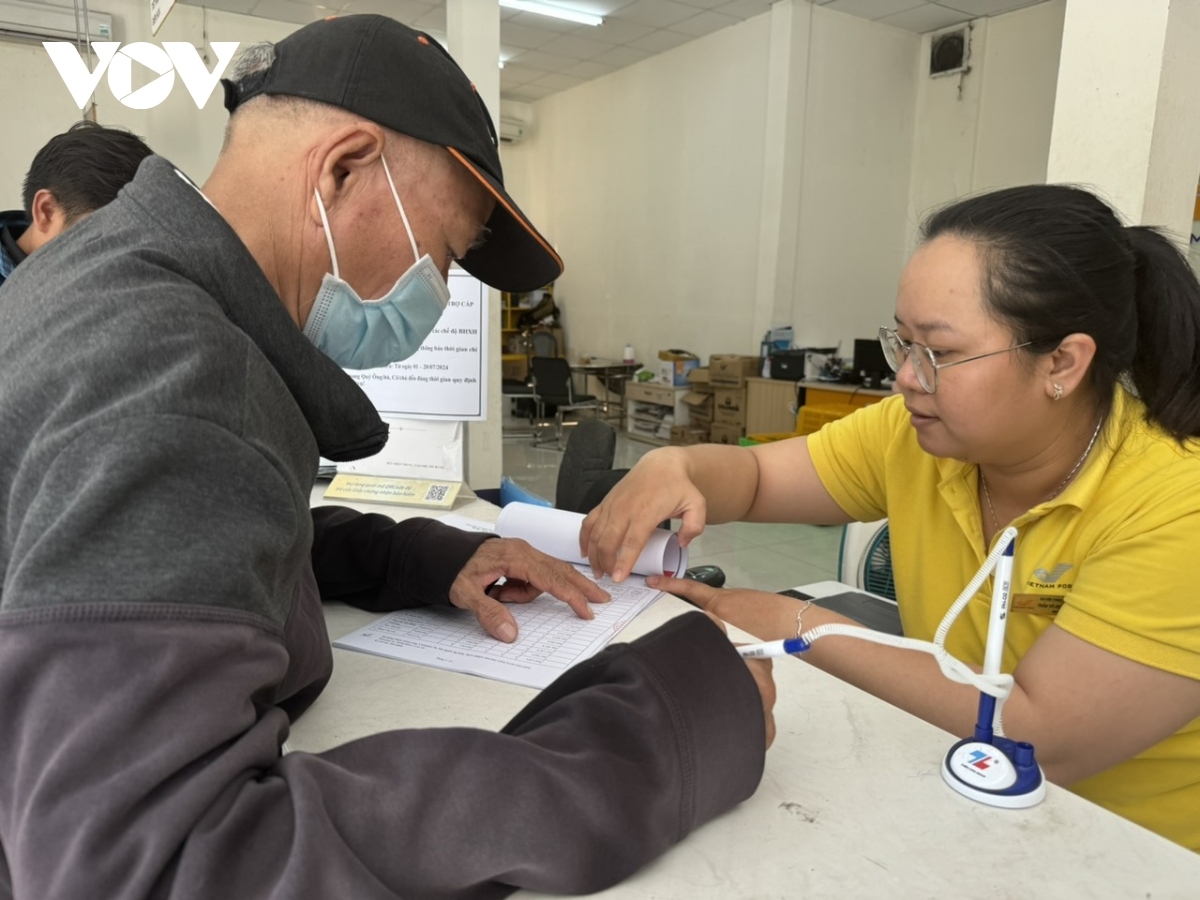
(869, 360)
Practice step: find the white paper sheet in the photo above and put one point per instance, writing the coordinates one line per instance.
(556, 532)
(550, 639)
(462, 522)
(447, 378)
(416, 448)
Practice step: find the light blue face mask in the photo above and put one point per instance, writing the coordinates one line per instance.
(370, 334)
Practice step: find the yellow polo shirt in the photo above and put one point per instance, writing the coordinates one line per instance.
(1114, 559)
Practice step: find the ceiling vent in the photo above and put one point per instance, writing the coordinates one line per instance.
(27, 21)
(950, 52)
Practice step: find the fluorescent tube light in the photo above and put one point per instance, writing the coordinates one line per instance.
(555, 12)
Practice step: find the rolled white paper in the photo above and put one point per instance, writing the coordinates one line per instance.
(556, 533)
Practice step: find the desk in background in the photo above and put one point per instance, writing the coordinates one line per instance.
(832, 393)
(772, 403)
(851, 803)
(611, 375)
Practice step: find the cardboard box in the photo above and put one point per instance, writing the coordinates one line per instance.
(699, 404)
(726, 416)
(729, 370)
(650, 392)
(674, 365)
(730, 398)
(698, 380)
(514, 369)
(685, 435)
(724, 434)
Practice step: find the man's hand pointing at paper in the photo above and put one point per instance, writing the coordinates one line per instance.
(527, 573)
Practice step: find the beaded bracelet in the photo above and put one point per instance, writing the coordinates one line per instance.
(800, 615)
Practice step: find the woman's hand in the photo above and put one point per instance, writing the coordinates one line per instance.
(657, 488)
(767, 616)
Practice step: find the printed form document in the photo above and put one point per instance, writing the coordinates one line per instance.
(550, 637)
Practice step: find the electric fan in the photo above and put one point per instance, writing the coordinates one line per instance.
(865, 558)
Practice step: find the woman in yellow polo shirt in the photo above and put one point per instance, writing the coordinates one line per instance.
(1019, 322)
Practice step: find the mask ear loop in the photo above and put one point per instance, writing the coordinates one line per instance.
(400, 206)
(328, 235)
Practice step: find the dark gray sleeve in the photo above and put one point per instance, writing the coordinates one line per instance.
(143, 661)
(140, 760)
(375, 563)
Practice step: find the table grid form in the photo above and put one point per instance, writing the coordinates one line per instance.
(549, 632)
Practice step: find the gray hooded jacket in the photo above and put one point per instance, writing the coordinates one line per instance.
(160, 621)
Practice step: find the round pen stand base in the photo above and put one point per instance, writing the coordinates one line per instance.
(1002, 773)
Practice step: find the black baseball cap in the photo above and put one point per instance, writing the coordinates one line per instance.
(405, 80)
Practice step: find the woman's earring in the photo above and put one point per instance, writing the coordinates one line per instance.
(1058, 391)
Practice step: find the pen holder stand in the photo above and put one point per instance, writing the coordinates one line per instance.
(1001, 773)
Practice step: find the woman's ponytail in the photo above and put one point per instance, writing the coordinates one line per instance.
(1166, 363)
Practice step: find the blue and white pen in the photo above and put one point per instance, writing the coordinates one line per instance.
(773, 648)
(994, 648)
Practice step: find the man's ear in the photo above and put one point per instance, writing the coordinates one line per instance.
(49, 220)
(343, 155)
(1069, 364)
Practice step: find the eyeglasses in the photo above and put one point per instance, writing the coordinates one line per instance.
(897, 352)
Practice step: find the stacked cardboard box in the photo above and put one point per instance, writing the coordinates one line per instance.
(674, 365)
(683, 435)
(699, 400)
(729, 370)
(727, 375)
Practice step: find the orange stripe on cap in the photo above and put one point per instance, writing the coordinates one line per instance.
(503, 202)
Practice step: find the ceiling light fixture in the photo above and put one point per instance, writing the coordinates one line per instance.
(555, 12)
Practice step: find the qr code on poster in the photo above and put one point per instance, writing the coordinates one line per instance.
(436, 493)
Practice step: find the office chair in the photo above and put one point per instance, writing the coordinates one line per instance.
(520, 394)
(543, 343)
(588, 457)
(552, 386)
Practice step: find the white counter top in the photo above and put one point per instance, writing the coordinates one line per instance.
(851, 804)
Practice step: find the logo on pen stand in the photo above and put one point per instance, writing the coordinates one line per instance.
(980, 760)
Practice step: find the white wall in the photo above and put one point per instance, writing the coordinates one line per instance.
(648, 183)
(991, 127)
(856, 161)
(36, 104)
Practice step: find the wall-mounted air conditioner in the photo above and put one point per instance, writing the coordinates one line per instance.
(25, 20)
(512, 131)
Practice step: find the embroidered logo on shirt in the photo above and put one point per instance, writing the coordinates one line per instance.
(1051, 576)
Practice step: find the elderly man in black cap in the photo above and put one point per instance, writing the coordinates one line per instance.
(170, 370)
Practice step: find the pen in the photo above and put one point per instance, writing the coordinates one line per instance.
(994, 648)
(773, 648)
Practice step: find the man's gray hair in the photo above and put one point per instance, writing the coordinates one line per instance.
(251, 60)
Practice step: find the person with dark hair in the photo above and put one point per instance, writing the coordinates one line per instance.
(75, 174)
(171, 371)
(1047, 366)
